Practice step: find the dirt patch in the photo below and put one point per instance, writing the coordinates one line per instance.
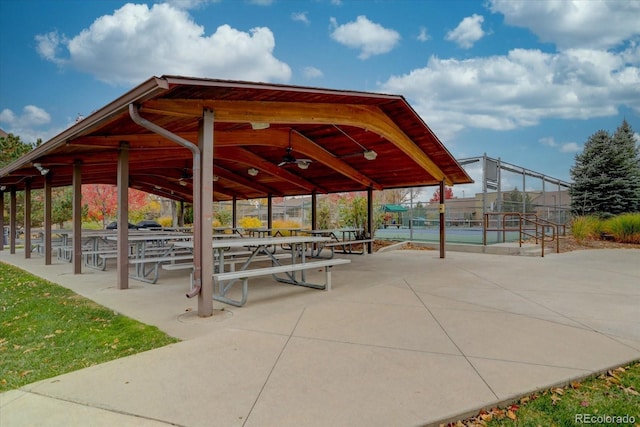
(569, 243)
(379, 244)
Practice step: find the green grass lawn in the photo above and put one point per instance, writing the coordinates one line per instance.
(611, 399)
(47, 330)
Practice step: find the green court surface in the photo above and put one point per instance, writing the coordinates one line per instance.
(472, 235)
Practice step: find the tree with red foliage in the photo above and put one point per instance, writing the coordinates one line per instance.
(448, 194)
(102, 201)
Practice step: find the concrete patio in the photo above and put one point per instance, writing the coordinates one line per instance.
(403, 339)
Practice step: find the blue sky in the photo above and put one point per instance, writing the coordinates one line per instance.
(525, 81)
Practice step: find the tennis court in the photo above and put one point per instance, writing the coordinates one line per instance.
(454, 234)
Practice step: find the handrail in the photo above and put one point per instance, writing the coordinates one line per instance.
(538, 231)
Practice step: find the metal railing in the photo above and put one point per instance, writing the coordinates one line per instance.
(527, 225)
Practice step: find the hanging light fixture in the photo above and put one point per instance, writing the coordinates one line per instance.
(370, 155)
(259, 125)
(43, 170)
(303, 164)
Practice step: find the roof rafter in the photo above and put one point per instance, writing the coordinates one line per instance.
(253, 160)
(362, 116)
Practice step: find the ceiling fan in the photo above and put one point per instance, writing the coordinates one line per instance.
(289, 159)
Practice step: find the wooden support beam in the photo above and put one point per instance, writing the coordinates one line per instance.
(123, 217)
(27, 218)
(76, 257)
(48, 210)
(362, 116)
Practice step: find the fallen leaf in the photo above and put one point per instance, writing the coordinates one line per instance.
(511, 415)
(614, 375)
(554, 399)
(613, 380)
(584, 403)
(558, 390)
(25, 373)
(575, 385)
(486, 417)
(631, 390)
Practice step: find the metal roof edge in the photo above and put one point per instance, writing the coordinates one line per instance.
(183, 80)
(139, 93)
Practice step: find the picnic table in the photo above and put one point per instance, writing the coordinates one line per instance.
(151, 249)
(293, 273)
(342, 240)
(93, 242)
(228, 230)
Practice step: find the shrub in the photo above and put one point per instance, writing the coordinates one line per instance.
(586, 227)
(250, 222)
(624, 228)
(223, 216)
(165, 221)
(280, 224)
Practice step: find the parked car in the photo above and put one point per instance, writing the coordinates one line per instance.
(114, 225)
(148, 224)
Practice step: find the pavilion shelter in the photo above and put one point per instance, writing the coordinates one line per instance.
(199, 140)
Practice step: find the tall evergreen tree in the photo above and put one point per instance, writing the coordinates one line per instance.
(629, 155)
(606, 174)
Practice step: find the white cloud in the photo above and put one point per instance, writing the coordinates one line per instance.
(31, 116)
(423, 36)
(467, 32)
(312, 73)
(7, 116)
(548, 141)
(29, 125)
(594, 24)
(566, 147)
(369, 37)
(300, 17)
(136, 43)
(48, 46)
(570, 147)
(520, 89)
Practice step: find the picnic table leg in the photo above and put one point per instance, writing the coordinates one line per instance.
(223, 289)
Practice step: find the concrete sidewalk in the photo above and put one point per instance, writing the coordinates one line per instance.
(404, 339)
